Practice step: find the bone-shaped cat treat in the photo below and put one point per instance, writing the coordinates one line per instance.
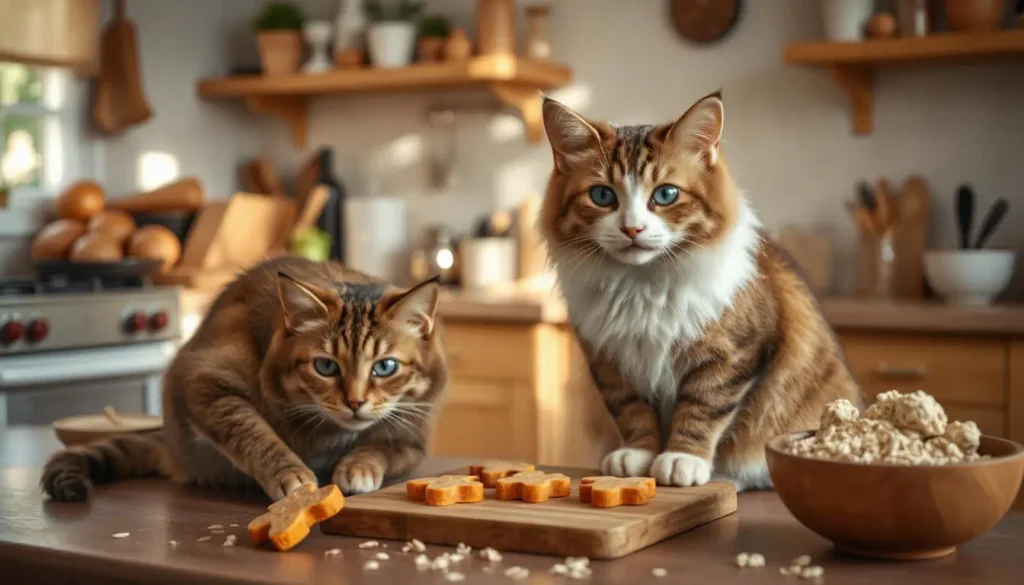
(532, 486)
(445, 490)
(609, 492)
(287, 521)
(490, 472)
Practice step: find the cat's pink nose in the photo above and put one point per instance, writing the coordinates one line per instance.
(355, 404)
(632, 232)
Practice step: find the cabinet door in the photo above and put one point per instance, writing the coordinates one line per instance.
(477, 419)
(967, 375)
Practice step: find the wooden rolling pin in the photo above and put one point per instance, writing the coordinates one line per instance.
(183, 195)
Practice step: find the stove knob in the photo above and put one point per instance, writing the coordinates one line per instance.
(37, 330)
(11, 331)
(158, 321)
(136, 322)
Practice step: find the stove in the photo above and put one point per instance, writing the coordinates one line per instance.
(60, 337)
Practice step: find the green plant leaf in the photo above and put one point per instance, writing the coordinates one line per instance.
(280, 15)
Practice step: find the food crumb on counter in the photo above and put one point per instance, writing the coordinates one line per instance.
(369, 544)
(422, 562)
(752, 560)
(517, 572)
(812, 572)
(490, 554)
(371, 566)
(659, 572)
(120, 535)
(801, 561)
(332, 552)
(230, 540)
(382, 556)
(455, 577)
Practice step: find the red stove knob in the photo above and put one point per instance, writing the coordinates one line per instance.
(11, 331)
(37, 330)
(136, 322)
(158, 320)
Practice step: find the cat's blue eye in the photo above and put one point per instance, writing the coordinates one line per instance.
(665, 195)
(327, 368)
(602, 195)
(384, 368)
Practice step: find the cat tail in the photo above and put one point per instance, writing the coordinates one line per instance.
(69, 473)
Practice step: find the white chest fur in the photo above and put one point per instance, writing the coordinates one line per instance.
(642, 316)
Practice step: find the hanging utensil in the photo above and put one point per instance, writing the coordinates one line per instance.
(965, 214)
(120, 101)
(992, 220)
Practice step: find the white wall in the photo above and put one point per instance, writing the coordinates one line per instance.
(787, 130)
(787, 133)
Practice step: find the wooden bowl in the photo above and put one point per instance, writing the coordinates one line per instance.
(75, 430)
(898, 511)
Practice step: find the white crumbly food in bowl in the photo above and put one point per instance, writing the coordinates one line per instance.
(902, 429)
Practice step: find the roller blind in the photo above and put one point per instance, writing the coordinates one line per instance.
(59, 33)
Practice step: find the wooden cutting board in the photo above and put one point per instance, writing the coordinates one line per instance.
(560, 526)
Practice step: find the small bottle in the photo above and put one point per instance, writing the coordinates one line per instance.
(332, 220)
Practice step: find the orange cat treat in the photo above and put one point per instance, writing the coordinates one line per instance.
(490, 472)
(609, 492)
(287, 521)
(532, 486)
(445, 490)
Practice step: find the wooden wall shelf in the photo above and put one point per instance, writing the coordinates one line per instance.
(514, 82)
(853, 65)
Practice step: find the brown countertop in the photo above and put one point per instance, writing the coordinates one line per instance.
(47, 542)
(844, 314)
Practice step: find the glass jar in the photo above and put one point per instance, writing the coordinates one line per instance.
(437, 255)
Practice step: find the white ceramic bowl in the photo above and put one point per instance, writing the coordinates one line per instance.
(969, 277)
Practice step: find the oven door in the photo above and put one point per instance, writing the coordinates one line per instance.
(39, 388)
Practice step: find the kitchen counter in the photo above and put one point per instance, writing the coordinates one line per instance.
(47, 542)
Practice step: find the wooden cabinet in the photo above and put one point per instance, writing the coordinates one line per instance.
(520, 391)
(966, 374)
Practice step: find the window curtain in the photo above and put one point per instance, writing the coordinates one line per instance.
(57, 33)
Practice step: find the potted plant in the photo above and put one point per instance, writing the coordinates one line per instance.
(278, 32)
(392, 32)
(433, 32)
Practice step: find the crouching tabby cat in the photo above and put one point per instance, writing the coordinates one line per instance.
(300, 371)
(703, 341)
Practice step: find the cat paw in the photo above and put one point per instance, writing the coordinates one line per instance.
(358, 477)
(287, 481)
(680, 469)
(627, 462)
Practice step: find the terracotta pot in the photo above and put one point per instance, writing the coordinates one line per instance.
(280, 51)
(458, 47)
(349, 58)
(430, 49)
(975, 15)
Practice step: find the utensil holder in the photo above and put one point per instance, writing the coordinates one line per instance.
(876, 262)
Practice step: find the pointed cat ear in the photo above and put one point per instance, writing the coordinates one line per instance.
(571, 136)
(700, 128)
(414, 309)
(304, 304)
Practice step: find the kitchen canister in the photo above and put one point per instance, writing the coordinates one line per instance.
(844, 20)
(488, 262)
(376, 236)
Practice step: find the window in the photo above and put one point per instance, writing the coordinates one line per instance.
(33, 120)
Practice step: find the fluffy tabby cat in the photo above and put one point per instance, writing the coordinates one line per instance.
(703, 341)
(300, 371)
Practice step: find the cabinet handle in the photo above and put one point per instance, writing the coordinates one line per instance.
(884, 369)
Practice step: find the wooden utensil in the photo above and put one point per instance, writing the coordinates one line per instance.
(120, 101)
(911, 238)
(560, 526)
(992, 220)
(965, 214)
(182, 195)
(268, 177)
(307, 179)
(939, 507)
